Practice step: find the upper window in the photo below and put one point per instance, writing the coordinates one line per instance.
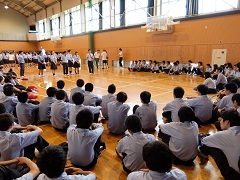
(76, 22)
(118, 16)
(106, 14)
(92, 17)
(209, 6)
(173, 8)
(68, 24)
(41, 26)
(55, 26)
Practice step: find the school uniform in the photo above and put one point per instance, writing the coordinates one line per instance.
(184, 139)
(131, 146)
(91, 99)
(27, 176)
(104, 57)
(64, 176)
(70, 60)
(74, 90)
(136, 66)
(174, 174)
(21, 64)
(226, 102)
(44, 114)
(148, 115)
(1, 59)
(237, 74)
(77, 61)
(221, 81)
(105, 100)
(174, 107)
(167, 69)
(155, 68)
(60, 114)
(9, 102)
(202, 107)
(75, 109)
(211, 85)
(81, 144)
(65, 64)
(131, 67)
(117, 113)
(229, 142)
(90, 58)
(41, 62)
(175, 70)
(26, 113)
(208, 70)
(53, 58)
(96, 58)
(187, 68)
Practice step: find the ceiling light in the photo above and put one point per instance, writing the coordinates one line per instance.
(6, 7)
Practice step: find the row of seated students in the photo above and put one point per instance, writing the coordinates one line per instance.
(85, 129)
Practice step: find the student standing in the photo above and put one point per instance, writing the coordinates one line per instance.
(77, 62)
(120, 54)
(104, 59)
(64, 63)
(90, 59)
(21, 62)
(53, 59)
(96, 57)
(70, 61)
(41, 64)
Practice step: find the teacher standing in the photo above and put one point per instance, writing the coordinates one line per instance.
(120, 54)
(90, 59)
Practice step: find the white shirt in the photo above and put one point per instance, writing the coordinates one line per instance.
(229, 142)
(174, 107)
(132, 146)
(64, 176)
(226, 102)
(120, 54)
(210, 83)
(148, 115)
(175, 174)
(27, 176)
(105, 100)
(221, 79)
(184, 139)
(104, 55)
(90, 99)
(73, 90)
(9, 102)
(96, 55)
(81, 143)
(117, 113)
(45, 108)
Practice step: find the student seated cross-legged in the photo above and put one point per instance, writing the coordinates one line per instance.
(91, 99)
(158, 159)
(84, 140)
(79, 83)
(52, 161)
(182, 137)
(130, 147)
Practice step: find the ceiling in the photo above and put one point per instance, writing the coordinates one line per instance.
(28, 7)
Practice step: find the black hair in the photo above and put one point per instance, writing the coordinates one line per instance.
(60, 94)
(51, 161)
(236, 97)
(22, 97)
(200, 63)
(190, 61)
(84, 119)
(178, 92)
(8, 89)
(6, 121)
(122, 97)
(80, 82)
(1, 78)
(207, 75)
(120, 49)
(51, 91)
(133, 123)
(186, 113)
(78, 98)
(8, 79)
(145, 97)
(89, 87)
(60, 84)
(175, 63)
(203, 89)
(2, 108)
(209, 65)
(111, 88)
(232, 87)
(157, 156)
(232, 116)
(236, 81)
(220, 69)
(69, 50)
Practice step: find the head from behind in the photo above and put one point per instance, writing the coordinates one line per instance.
(122, 97)
(2, 108)
(60, 84)
(145, 97)
(84, 119)
(178, 92)
(8, 90)
(236, 81)
(186, 113)
(133, 124)
(51, 91)
(78, 98)
(6, 121)
(51, 161)
(89, 87)
(111, 89)
(60, 95)
(230, 88)
(157, 156)
(207, 75)
(22, 97)
(236, 100)
(80, 83)
(229, 119)
(202, 89)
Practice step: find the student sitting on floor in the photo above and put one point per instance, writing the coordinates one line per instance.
(60, 86)
(224, 146)
(155, 68)
(110, 97)
(202, 105)
(143, 67)
(117, 113)
(221, 79)
(170, 111)
(230, 72)
(147, 112)
(174, 70)
(198, 70)
(149, 66)
(80, 83)
(130, 147)
(167, 68)
(27, 113)
(158, 159)
(44, 114)
(60, 112)
(209, 83)
(131, 66)
(236, 102)
(91, 99)
(188, 67)
(8, 173)
(182, 137)
(84, 140)
(78, 99)
(52, 161)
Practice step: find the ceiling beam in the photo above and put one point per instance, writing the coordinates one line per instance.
(39, 3)
(16, 2)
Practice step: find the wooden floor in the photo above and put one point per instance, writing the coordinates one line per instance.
(109, 166)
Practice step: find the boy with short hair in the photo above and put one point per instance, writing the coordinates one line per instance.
(26, 112)
(158, 159)
(44, 114)
(91, 99)
(52, 161)
(170, 111)
(110, 97)
(224, 146)
(183, 136)
(221, 79)
(117, 113)
(147, 112)
(130, 147)
(236, 102)
(78, 99)
(79, 83)
(84, 140)
(9, 100)
(60, 86)
(60, 112)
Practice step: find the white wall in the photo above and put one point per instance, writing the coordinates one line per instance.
(12, 21)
